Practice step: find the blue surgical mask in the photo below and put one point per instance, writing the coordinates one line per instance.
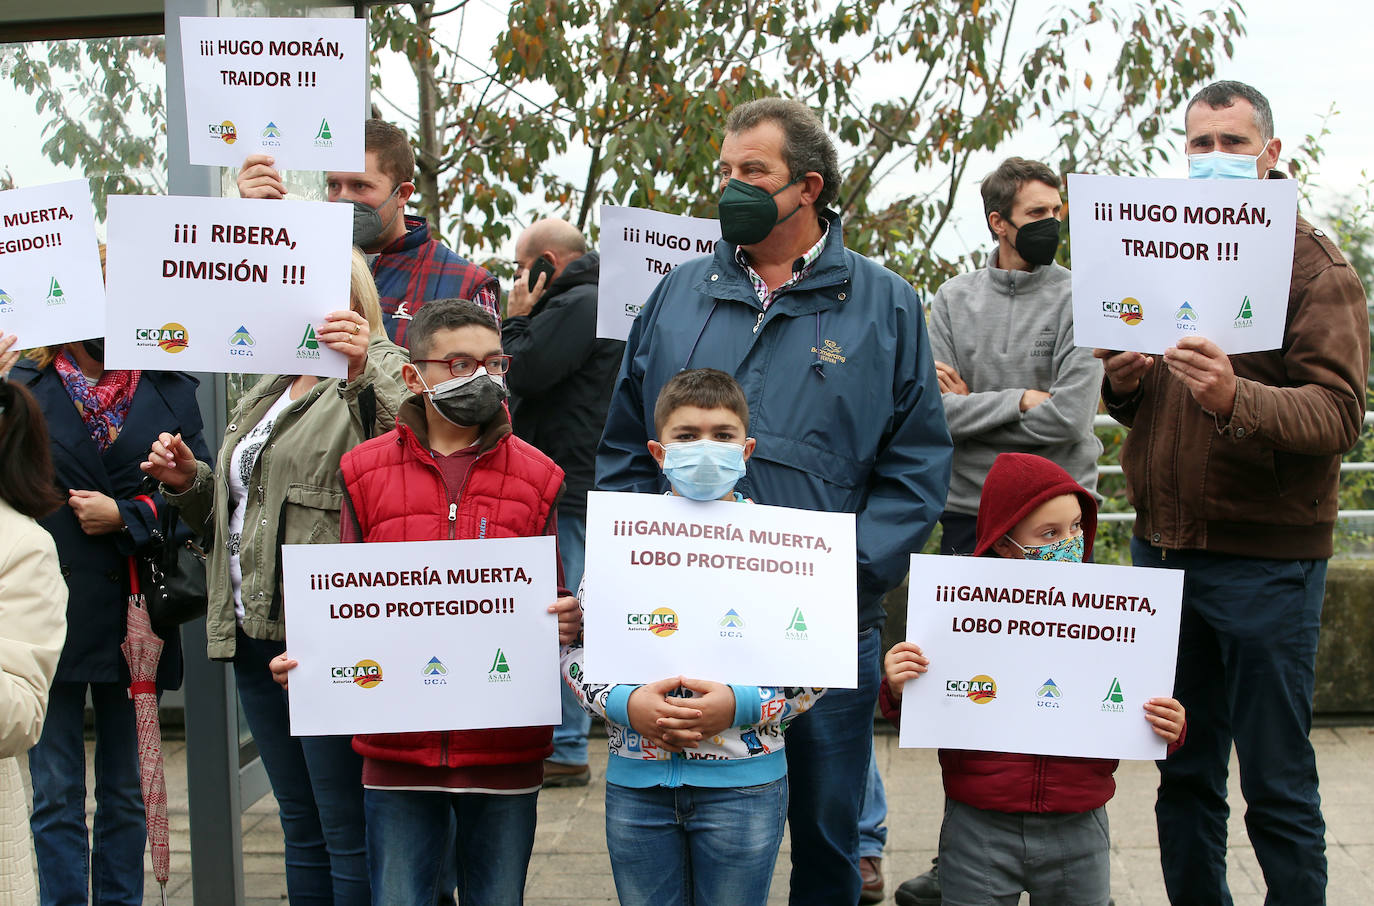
(1222, 165)
(703, 469)
(1068, 550)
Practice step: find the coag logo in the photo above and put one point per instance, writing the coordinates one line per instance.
(499, 672)
(55, 294)
(1128, 310)
(324, 138)
(796, 627)
(1115, 698)
(1246, 316)
(662, 622)
(170, 337)
(434, 672)
(732, 625)
(225, 131)
(365, 673)
(1048, 695)
(980, 690)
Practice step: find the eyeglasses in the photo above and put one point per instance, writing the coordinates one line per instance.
(464, 366)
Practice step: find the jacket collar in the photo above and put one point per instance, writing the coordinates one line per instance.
(1007, 282)
(584, 271)
(416, 235)
(725, 279)
(410, 420)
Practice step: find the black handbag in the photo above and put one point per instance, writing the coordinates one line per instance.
(172, 573)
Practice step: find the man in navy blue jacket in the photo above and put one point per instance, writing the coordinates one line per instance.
(831, 351)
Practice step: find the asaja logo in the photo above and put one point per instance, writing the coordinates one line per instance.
(830, 352)
(980, 690)
(732, 625)
(365, 673)
(242, 342)
(225, 131)
(324, 138)
(55, 295)
(796, 627)
(170, 337)
(1115, 698)
(662, 622)
(434, 672)
(1048, 695)
(500, 670)
(1128, 310)
(309, 346)
(1246, 316)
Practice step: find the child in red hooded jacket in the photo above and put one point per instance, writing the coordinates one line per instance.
(1033, 823)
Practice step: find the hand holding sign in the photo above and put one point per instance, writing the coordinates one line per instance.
(1206, 371)
(259, 178)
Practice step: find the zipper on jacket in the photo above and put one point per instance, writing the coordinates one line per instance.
(1011, 303)
(759, 322)
(452, 520)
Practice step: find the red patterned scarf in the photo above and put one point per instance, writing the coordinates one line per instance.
(103, 405)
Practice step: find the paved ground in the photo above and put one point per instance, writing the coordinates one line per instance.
(570, 866)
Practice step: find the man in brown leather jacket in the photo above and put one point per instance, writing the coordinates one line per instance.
(1232, 466)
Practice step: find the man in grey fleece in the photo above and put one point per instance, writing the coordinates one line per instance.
(1010, 377)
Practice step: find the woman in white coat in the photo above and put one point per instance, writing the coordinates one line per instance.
(33, 618)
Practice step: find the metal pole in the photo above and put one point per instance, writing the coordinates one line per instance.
(212, 739)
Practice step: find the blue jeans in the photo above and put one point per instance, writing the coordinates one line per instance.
(110, 865)
(570, 737)
(872, 814)
(318, 783)
(1247, 650)
(694, 846)
(828, 751)
(412, 835)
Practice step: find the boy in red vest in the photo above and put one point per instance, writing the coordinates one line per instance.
(451, 468)
(1034, 823)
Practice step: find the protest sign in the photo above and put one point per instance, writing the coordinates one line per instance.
(51, 290)
(225, 284)
(1159, 259)
(637, 248)
(1040, 658)
(734, 593)
(291, 88)
(422, 635)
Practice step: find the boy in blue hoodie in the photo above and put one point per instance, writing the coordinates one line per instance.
(696, 784)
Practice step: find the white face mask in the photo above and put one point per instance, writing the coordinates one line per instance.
(1223, 165)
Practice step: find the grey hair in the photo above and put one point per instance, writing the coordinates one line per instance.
(1223, 94)
(807, 147)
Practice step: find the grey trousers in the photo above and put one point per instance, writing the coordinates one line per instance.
(988, 858)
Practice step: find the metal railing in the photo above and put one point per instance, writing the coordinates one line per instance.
(1106, 421)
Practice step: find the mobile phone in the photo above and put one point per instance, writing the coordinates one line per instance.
(541, 265)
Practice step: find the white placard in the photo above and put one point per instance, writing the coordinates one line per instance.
(638, 247)
(291, 88)
(1039, 658)
(422, 635)
(728, 592)
(1159, 259)
(225, 284)
(51, 290)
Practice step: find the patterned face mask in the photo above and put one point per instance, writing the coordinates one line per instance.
(1069, 550)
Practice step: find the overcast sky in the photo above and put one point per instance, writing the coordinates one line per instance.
(1304, 62)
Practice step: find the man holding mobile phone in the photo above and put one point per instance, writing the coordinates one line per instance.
(560, 383)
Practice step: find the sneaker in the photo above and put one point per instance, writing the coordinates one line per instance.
(922, 890)
(558, 774)
(871, 872)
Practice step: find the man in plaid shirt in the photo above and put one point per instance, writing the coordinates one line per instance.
(410, 267)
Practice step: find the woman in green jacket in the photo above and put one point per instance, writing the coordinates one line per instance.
(276, 481)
